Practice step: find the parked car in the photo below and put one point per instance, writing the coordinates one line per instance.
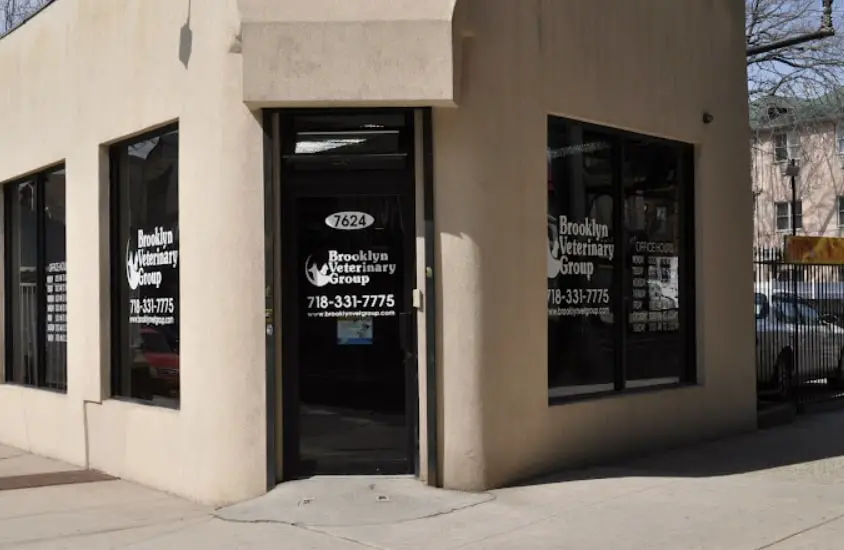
(155, 369)
(795, 344)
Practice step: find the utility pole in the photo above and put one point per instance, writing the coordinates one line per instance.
(792, 170)
(826, 30)
(792, 173)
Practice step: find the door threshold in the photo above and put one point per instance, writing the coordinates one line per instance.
(317, 477)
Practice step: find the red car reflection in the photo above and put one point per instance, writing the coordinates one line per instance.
(155, 369)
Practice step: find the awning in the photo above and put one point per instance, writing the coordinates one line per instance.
(351, 52)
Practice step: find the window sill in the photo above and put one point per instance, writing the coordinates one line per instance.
(55, 391)
(133, 401)
(572, 399)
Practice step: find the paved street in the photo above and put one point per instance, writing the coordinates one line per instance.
(782, 489)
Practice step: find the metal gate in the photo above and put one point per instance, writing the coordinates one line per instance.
(799, 330)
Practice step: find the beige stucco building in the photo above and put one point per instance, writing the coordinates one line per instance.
(815, 141)
(536, 258)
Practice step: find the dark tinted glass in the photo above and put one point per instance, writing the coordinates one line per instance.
(145, 252)
(619, 246)
(360, 142)
(654, 244)
(56, 279)
(581, 251)
(22, 282)
(36, 281)
(347, 142)
(350, 257)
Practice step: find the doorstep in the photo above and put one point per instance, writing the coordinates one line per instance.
(351, 501)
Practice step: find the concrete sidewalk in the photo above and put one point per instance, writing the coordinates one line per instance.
(781, 489)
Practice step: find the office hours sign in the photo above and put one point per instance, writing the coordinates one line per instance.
(56, 303)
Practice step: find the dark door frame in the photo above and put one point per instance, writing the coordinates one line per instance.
(281, 191)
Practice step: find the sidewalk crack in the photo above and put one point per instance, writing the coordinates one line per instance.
(12, 456)
(800, 532)
(299, 526)
(489, 498)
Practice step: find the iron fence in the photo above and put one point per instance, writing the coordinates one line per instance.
(799, 330)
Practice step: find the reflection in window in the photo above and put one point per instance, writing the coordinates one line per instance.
(36, 281)
(618, 247)
(55, 253)
(145, 269)
(347, 142)
(654, 350)
(581, 251)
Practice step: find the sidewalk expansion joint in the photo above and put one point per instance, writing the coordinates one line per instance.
(800, 532)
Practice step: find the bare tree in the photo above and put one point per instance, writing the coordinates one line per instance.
(795, 90)
(15, 12)
(808, 68)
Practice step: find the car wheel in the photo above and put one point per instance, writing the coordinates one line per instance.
(783, 373)
(837, 381)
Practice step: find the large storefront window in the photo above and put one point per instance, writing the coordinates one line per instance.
(619, 254)
(36, 283)
(145, 268)
(654, 241)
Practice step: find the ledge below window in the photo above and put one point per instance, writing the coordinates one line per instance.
(580, 397)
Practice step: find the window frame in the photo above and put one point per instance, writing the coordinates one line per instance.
(687, 168)
(117, 265)
(840, 199)
(39, 181)
(789, 205)
(780, 148)
(790, 146)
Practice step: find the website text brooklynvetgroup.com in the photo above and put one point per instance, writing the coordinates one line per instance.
(359, 314)
(154, 320)
(577, 311)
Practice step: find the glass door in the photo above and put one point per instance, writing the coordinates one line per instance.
(348, 273)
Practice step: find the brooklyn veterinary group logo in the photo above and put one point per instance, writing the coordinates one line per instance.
(144, 263)
(133, 269)
(348, 269)
(573, 247)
